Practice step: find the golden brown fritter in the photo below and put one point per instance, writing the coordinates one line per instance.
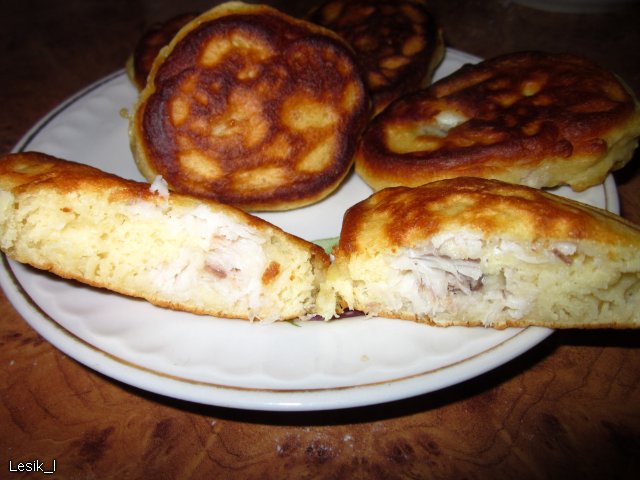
(531, 118)
(471, 251)
(398, 43)
(148, 46)
(175, 251)
(253, 108)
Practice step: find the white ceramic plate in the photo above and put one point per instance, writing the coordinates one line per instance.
(234, 363)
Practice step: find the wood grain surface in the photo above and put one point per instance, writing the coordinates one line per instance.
(568, 408)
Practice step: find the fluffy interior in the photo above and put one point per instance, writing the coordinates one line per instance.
(464, 279)
(189, 257)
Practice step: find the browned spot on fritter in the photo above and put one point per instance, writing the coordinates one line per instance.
(271, 272)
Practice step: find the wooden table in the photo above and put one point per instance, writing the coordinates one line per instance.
(570, 407)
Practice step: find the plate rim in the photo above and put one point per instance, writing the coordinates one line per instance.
(259, 399)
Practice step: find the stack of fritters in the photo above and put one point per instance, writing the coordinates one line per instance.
(255, 109)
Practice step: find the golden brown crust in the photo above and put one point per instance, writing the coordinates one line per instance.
(24, 171)
(398, 43)
(533, 118)
(251, 107)
(403, 217)
(20, 172)
(148, 46)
